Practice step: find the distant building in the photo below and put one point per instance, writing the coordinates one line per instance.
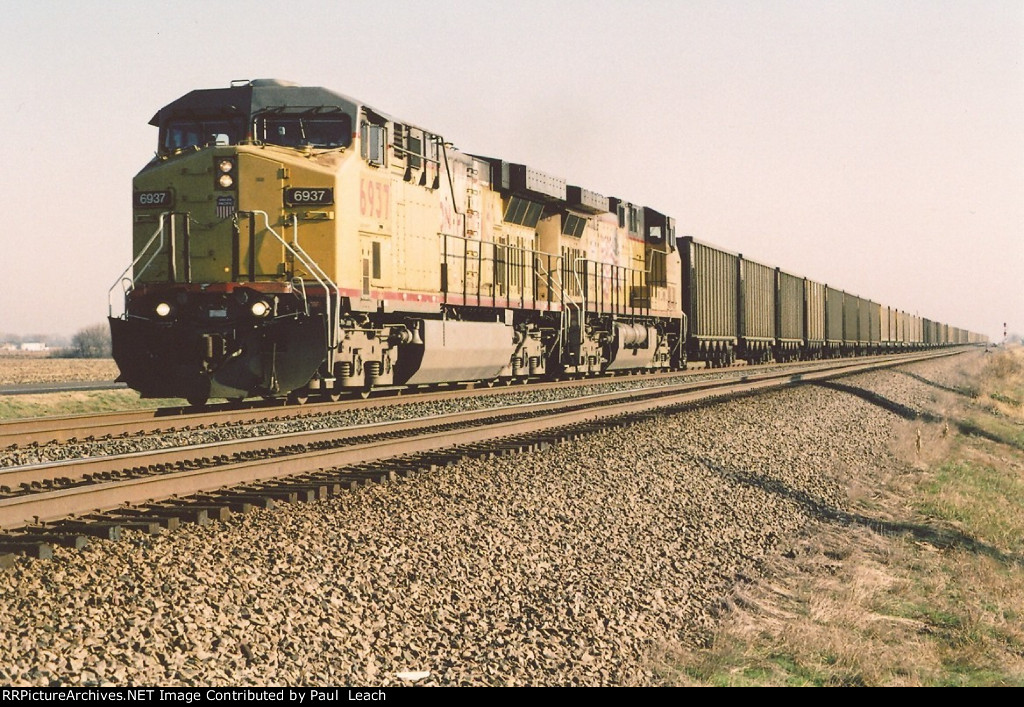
(8, 347)
(33, 346)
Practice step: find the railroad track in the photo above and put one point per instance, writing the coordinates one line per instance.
(64, 502)
(60, 429)
(43, 430)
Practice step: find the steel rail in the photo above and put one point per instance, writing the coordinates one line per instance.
(46, 506)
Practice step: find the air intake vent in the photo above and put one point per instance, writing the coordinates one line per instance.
(573, 225)
(523, 212)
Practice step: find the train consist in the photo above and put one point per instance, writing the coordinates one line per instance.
(289, 240)
(738, 308)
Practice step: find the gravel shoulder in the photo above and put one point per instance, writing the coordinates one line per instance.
(920, 582)
(574, 565)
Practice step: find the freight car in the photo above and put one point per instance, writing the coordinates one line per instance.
(791, 325)
(290, 240)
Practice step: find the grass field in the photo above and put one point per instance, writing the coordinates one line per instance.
(16, 370)
(54, 404)
(934, 596)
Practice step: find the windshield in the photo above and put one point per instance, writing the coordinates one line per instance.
(179, 134)
(325, 131)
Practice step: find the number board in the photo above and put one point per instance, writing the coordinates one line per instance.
(152, 199)
(301, 196)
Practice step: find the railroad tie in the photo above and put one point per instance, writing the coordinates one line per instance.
(330, 488)
(106, 529)
(35, 550)
(214, 511)
(308, 492)
(149, 527)
(184, 514)
(75, 541)
(282, 495)
(167, 522)
(239, 502)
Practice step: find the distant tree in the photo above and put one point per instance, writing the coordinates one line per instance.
(91, 342)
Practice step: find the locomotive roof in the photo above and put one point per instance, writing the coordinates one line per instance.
(251, 97)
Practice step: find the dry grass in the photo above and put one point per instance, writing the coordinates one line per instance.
(72, 403)
(1001, 383)
(16, 370)
(927, 588)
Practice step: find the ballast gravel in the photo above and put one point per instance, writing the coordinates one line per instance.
(568, 566)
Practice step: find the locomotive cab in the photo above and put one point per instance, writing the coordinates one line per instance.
(223, 299)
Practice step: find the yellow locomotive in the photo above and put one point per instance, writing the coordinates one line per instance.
(291, 240)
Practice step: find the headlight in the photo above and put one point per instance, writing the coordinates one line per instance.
(163, 309)
(260, 308)
(224, 171)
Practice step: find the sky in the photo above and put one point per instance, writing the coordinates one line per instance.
(877, 146)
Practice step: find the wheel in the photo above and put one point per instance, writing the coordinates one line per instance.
(197, 401)
(299, 397)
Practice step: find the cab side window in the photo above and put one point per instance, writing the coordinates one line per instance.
(295, 131)
(373, 138)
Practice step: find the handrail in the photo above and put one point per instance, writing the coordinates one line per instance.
(566, 299)
(318, 273)
(315, 270)
(555, 276)
(131, 280)
(307, 259)
(566, 295)
(301, 285)
(579, 283)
